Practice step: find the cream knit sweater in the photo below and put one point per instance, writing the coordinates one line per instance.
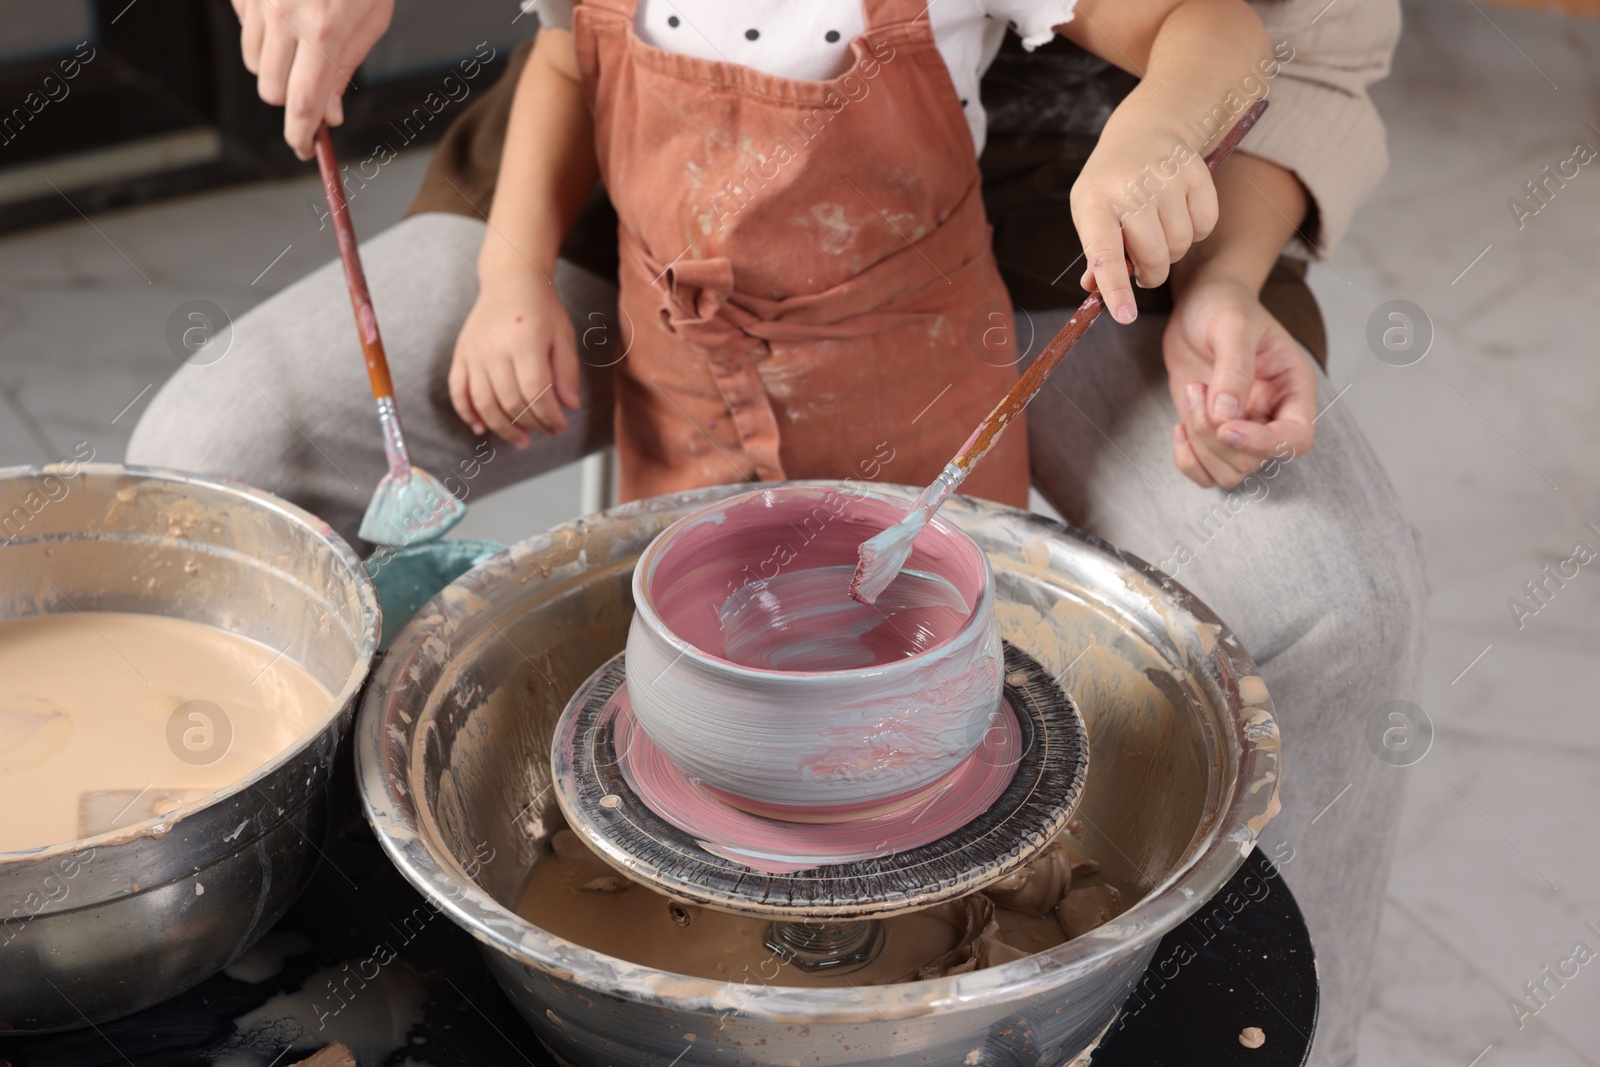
(1322, 125)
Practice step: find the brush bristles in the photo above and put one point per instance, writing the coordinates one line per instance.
(410, 508)
(877, 567)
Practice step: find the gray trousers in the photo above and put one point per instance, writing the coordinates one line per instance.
(1315, 569)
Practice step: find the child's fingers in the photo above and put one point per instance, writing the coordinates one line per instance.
(1202, 201)
(1177, 227)
(567, 373)
(1101, 234)
(510, 403)
(487, 404)
(1147, 246)
(540, 409)
(461, 400)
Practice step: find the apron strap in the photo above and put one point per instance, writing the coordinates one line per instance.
(881, 13)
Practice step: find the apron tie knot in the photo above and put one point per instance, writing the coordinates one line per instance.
(697, 303)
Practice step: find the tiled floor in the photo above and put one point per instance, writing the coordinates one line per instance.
(1492, 437)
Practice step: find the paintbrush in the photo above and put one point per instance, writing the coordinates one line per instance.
(885, 553)
(410, 506)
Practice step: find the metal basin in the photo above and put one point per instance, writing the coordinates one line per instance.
(97, 928)
(452, 758)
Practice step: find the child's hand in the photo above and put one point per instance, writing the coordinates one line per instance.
(1135, 201)
(516, 363)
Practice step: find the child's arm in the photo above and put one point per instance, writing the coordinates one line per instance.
(516, 361)
(1145, 194)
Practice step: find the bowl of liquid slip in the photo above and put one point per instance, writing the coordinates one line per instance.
(179, 663)
(752, 669)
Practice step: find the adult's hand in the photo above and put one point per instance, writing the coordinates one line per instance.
(303, 54)
(1220, 343)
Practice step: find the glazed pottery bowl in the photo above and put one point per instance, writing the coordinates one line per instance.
(94, 929)
(453, 755)
(753, 671)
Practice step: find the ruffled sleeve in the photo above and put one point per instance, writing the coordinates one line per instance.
(554, 14)
(1032, 20)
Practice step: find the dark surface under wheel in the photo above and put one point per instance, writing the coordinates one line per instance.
(1244, 960)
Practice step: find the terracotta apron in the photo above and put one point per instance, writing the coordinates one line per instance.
(807, 284)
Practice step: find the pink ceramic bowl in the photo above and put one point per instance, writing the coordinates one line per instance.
(752, 670)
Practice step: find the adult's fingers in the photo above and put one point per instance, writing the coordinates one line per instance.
(1227, 467)
(1183, 455)
(277, 56)
(313, 81)
(251, 31)
(1234, 363)
(1224, 465)
(1297, 380)
(1292, 435)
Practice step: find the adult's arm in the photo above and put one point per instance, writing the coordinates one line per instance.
(1322, 124)
(303, 54)
(1244, 393)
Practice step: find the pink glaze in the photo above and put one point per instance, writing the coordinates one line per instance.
(767, 585)
(753, 670)
(806, 620)
(782, 847)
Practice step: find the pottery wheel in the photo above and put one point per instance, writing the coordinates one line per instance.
(991, 815)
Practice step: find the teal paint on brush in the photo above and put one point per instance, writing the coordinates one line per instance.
(883, 555)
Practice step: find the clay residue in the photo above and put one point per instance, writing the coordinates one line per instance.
(575, 895)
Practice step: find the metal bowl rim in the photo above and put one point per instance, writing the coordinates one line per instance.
(371, 614)
(1211, 858)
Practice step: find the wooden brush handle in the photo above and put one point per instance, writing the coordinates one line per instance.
(354, 277)
(1032, 380)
